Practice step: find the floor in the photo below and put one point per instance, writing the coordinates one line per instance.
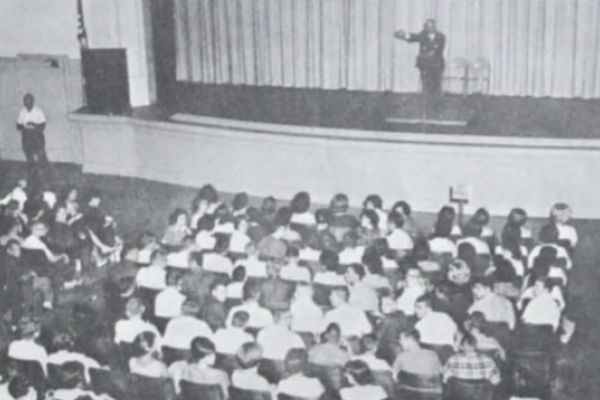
(139, 205)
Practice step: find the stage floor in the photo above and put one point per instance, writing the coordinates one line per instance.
(473, 114)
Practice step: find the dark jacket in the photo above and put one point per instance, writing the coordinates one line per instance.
(431, 49)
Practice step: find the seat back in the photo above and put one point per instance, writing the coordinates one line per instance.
(242, 394)
(170, 354)
(146, 388)
(35, 260)
(418, 386)
(54, 380)
(104, 381)
(329, 375)
(33, 372)
(462, 389)
(535, 337)
(532, 374)
(197, 391)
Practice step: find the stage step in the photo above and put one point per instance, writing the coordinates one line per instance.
(427, 121)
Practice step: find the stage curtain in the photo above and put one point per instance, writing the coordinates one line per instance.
(535, 47)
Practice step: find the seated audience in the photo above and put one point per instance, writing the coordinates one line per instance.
(154, 276)
(477, 327)
(470, 364)
(398, 239)
(410, 225)
(292, 271)
(542, 309)
(126, 330)
(329, 351)
(204, 233)
(178, 228)
(369, 228)
(19, 388)
(212, 309)
(414, 359)
(374, 202)
(259, 317)
(200, 368)
(331, 276)
(412, 287)
(298, 382)
(341, 220)
(494, 307)
(26, 348)
(351, 251)
(300, 206)
(216, 261)
(168, 302)
(389, 328)
(144, 360)
(64, 352)
(180, 330)
(362, 384)
(239, 239)
(548, 237)
(435, 328)
(560, 215)
(351, 320)
(228, 340)
(255, 267)
(362, 296)
(283, 229)
(246, 377)
(369, 347)
(307, 316)
(276, 340)
(235, 288)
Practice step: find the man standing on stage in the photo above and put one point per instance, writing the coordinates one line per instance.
(31, 123)
(430, 60)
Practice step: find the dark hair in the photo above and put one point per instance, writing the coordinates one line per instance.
(249, 355)
(548, 253)
(208, 193)
(330, 260)
(175, 215)
(240, 318)
(483, 281)
(269, 204)
(511, 240)
(396, 218)
(143, 344)
(283, 216)
(425, 299)
(250, 290)
(406, 209)
(206, 223)
(468, 340)
(472, 229)
(548, 234)
(238, 274)
(173, 277)
(300, 203)
(292, 251)
(72, 374)
(62, 341)
(372, 260)
(371, 216)
(466, 252)
(359, 371)
(505, 272)
(339, 203)
(323, 216)
(18, 386)
(368, 342)
(296, 361)
(374, 199)
(481, 217)
(332, 327)
(350, 238)
(517, 217)
(545, 281)
(412, 334)
(358, 269)
(445, 222)
(421, 249)
(200, 348)
(240, 201)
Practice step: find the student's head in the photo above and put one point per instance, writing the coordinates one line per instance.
(323, 218)
(208, 193)
(300, 203)
(388, 304)
(202, 350)
(251, 291)
(354, 273)
(413, 276)
(292, 254)
(481, 217)
(28, 101)
(240, 201)
(221, 244)
(560, 213)
(511, 238)
(173, 278)
(548, 234)
(350, 239)
(134, 307)
(62, 341)
(159, 258)
(466, 252)
(423, 306)
(296, 361)
(178, 217)
(468, 343)
(372, 260)
(472, 229)
(240, 319)
(71, 375)
(369, 219)
(241, 225)
(269, 205)
(369, 343)
(517, 217)
(39, 229)
(358, 373)
(29, 327)
(239, 274)
(505, 272)
(19, 388)
(476, 322)
(249, 355)
(410, 339)
(373, 202)
(481, 287)
(445, 222)
(13, 248)
(339, 296)
(395, 221)
(328, 241)
(190, 308)
(332, 333)
(218, 290)
(421, 249)
(282, 317)
(402, 207)
(430, 26)
(339, 204)
(283, 216)
(147, 238)
(330, 260)
(206, 223)
(143, 344)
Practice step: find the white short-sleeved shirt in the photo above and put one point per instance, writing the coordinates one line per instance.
(437, 328)
(371, 392)
(126, 330)
(277, 340)
(351, 320)
(35, 115)
(229, 340)
(28, 350)
(259, 317)
(351, 255)
(151, 277)
(254, 267)
(306, 316)
(217, 263)
(442, 245)
(301, 386)
(399, 239)
(568, 233)
(561, 252)
(167, 303)
(295, 273)
(180, 332)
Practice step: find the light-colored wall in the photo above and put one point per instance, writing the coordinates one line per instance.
(280, 160)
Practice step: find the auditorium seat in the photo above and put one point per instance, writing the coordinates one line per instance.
(33, 372)
(197, 391)
(54, 380)
(226, 362)
(418, 387)
(385, 379)
(170, 354)
(463, 389)
(108, 382)
(241, 394)
(146, 388)
(533, 374)
(329, 375)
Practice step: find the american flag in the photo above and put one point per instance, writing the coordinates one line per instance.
(81, 32)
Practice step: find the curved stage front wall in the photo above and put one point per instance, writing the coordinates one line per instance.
(279, 160)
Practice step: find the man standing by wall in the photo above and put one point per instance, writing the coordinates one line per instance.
(31, 122)
(430, 60)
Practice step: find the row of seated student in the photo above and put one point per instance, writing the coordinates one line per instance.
(246, 294)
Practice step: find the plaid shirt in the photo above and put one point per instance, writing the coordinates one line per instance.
(471, 366)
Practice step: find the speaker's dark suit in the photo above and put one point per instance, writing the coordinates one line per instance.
(430, 60)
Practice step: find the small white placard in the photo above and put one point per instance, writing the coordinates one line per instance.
(460, 193)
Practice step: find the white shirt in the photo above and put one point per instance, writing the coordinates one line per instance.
(180, 332)
(127, 329)
(374, 363)
(205, 241)
(301, 386)
(179, 260)
(495, 308)
(436, 328)
(561, 252)
(542, 310)
(151, 278)
(371, 392)
(28, 350)
(63, 356)
(480, 246)
(398, 239)
(305, 218)
(568, 233)
(235, 290)
(295, 273)
(18, 195)
(364, 297)
(309, 254)
(167, 303)
(217, 263)
(277, 340)
(35, 116)
(33, 242)
(440, 245)
(406, 301)
(238, 242)
(287, 234)
(351, 255)
(259, 317)
(229, 340)
(352, 321)
(249, 379)
(306, 316)
(254, 267)
(556, 293)
(329, 278)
